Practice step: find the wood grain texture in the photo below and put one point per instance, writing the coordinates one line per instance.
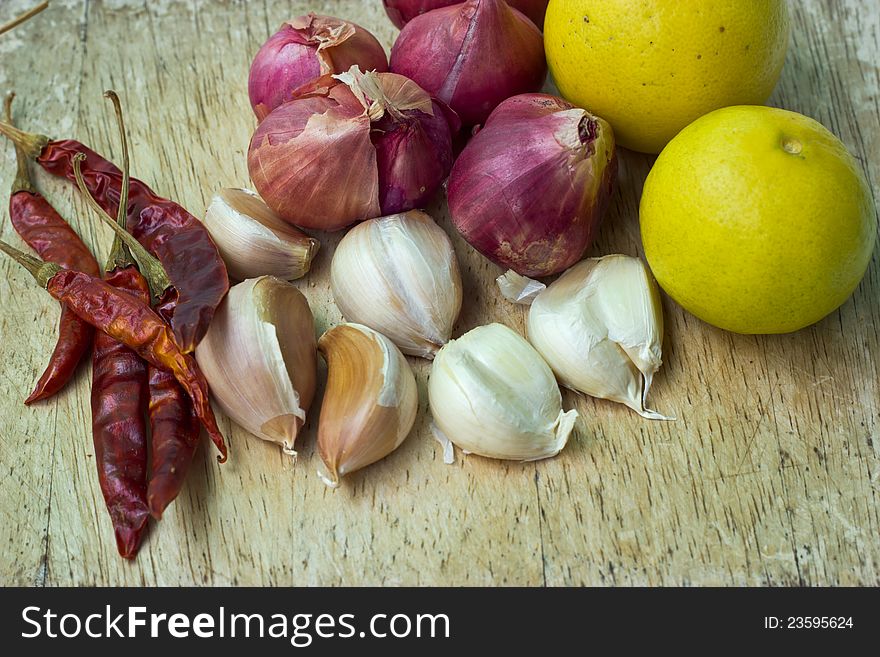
(771, 475)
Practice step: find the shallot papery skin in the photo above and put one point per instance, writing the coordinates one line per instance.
(472, 56)
(414, 156)
(352, 147)
(402, 12)
(306, 48)
(530, 188)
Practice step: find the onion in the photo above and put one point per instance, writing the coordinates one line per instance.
(530, 188)
(402, 12)
(534, 9)
(303, 49)
(352, 146)
(472, 56)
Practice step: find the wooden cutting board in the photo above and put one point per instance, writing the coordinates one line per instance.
(770, 475)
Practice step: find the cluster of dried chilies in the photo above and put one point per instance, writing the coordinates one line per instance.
(142, 360)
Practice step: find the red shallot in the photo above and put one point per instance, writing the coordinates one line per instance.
(402, 12)
(472, 56)
(530, 188)
(303, 49)
(350, 147)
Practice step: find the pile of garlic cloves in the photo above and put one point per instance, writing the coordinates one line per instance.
(597, 329)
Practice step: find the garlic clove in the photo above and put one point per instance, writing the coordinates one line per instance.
(600, 328)
(370, 403)
(254, 241)
(492, 394)
(399, 276)
(260, 359)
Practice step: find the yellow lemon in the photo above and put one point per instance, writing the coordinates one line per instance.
(650, 67)
(757, 220)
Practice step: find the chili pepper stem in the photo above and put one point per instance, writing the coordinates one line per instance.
(18, 20)
(41, 271)
(31, 144)
(22, 181)
(120, 255)
(150, 267)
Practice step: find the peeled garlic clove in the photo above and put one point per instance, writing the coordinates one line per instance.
(254, 241)
(259, 357)
(399, 276)
(600, 327)
(370, 403)
(492, 394)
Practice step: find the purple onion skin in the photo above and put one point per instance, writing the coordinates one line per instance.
(472, 56)
(289, 59)
(402, 12)
(320, 161)
(414, 157)
(321, 179)
(522, 198)
(280, 66)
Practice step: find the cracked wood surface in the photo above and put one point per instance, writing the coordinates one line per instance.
(771, 475)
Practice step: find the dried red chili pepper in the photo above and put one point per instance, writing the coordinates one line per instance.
(43, 229)
(175, 433)
(168, 231)
(119, 431)
(119, 396)
(175, 429)
(174, 424)
(131, 322)
(175, 437)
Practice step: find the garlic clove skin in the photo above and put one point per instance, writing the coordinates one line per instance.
(493, 395)
(399, 276)
(254, 241)
(370, 403)
(600, 328)
(519, 289)
(260, 359)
